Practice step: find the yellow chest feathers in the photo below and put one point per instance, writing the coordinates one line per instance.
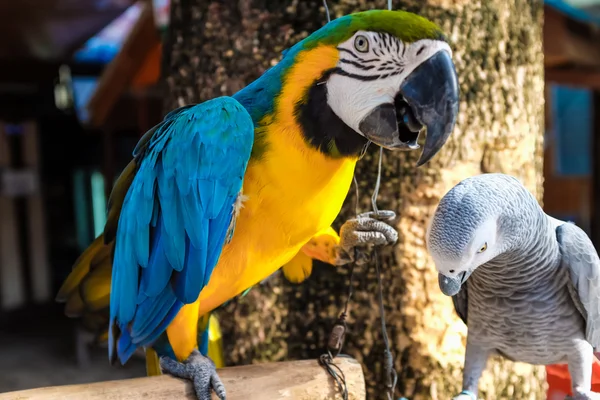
(292, 196)
(294, 191)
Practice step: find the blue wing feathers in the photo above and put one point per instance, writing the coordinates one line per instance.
(125, 347)
(219, 226)
(175, 217)
(190, 280)
(150, 313)
(203, 342)
(157, 277)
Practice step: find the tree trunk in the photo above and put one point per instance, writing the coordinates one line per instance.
(216, 49)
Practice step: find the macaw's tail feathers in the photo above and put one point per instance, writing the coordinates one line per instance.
(152, 363)
(215, 342)
(86, 291)
(116, 199)
(87, 288)
(120, 345)
(88, 285)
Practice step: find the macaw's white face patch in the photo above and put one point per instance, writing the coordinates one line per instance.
(371, 69)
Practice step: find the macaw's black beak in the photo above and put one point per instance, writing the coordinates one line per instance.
(450, 286)
(428, 98)
(432, 93)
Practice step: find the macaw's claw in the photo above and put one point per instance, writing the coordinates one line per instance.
(198, 369)
(358, 235)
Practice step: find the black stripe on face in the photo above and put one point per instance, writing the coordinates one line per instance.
(387, 43)
(364, 78)
(349, 52)
(382, 44)
(360, 59)
(357, 65)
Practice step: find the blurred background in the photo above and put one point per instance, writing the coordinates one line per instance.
(80, 82)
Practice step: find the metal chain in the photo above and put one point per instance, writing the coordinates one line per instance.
(338, 332)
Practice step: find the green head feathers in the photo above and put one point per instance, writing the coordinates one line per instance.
(350, 90)
(404, 25)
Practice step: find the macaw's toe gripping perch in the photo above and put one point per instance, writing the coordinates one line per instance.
(359, 235)
(198, 369)
(302, 379)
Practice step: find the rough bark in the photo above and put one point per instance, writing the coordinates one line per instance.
(217, 49)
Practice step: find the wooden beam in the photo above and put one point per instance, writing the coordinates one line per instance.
(562, 46)
(122, 69)
(36, 232)
(12, 289)
(273, 381)
(554, 33)
(574, 77)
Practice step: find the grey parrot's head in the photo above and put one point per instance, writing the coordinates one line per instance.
(477, 220)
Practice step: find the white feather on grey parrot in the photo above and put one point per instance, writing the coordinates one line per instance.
(526, 284)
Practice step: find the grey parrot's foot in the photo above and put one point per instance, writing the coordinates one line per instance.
(465, 395)
(358, 235)
(198, 369)
(584, 396)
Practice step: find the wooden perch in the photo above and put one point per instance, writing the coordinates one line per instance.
(300, 380)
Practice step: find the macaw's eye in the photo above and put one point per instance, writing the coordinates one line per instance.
(483, 248)
(361, 44)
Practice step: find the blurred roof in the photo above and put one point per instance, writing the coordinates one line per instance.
(585, 11)
(571, 37)
(590, 7)
(51, 30)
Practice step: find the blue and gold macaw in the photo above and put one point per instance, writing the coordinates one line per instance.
(223, 193)
(89, 295)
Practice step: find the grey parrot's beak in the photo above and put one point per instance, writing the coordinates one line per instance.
(450, 286)
(428, 98)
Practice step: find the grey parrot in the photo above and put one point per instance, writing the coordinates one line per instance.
(526, 284)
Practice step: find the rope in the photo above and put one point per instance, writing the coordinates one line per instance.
(336, 342)
(377, 183)
(338, 332)
(327, 11)
(326, 360)
(390, 374)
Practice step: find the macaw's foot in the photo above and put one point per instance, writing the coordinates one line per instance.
(584, 396)
(358, 235)
(198, 369)
(465, 395)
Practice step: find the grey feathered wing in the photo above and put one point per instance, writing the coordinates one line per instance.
(579, 256)
(460, 301)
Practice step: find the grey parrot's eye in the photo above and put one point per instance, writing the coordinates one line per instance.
(483, 248)
(361, 44)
